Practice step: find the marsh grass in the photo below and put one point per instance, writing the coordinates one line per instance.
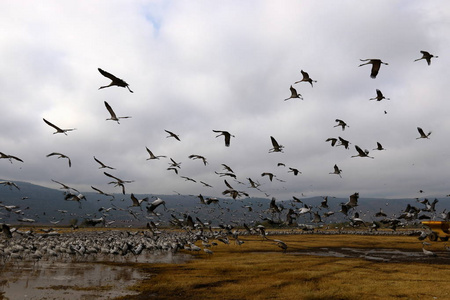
(260, 270)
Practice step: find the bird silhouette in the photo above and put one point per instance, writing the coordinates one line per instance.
(427, 56)
(341, 123)
(58, 130)
(361, 153)
(337, 171)
(294, 94)
(10, 157)
(171, 134)
(152, 156)
(112, 113)
(114, 80)
(102, 165)
(379, 96)
(276, 147)
(306, 78)
(422, 134)
(60, 155)
(227, 136)
(376, 64)
(379, 147)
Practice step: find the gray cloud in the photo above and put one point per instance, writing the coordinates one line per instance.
(200, 66)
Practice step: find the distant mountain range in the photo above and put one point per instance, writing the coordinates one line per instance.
(46, 205)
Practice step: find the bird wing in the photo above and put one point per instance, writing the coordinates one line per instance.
(421, 131)
(110, 110)
(379, 94)
(227, 139)
(360, 151)
(227, 184)
(108, 75)
(134, 199)
(109, 175)
(55, 153)
(274, 142)
(375, 68)
(102, 164)
(52, 125)
(305, 75)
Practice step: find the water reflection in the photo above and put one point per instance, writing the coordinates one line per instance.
(54, 279)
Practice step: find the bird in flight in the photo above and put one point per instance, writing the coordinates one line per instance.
(376, 64)
(295, 171)
(60, 155)
(152, 156)
(65, 186)
(362, 153)
(422, 134)
(306, 78)
(341, 123)
(294, 94)
(337, 171)
(114, 80)
(271, 175)
(171, 134)
(427, 56)
(227, 136)
(379, 147)
(113, 114)
(58, 130)
(276, 147)
(379, 96)
(10, 157)
(332, 140)
(343, 142)
(102, 165)
(118, 182)
(195, 156)
(10, 184)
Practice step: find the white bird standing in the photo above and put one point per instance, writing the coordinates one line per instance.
(113, 114)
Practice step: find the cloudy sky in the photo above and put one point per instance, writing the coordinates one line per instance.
(198, 66)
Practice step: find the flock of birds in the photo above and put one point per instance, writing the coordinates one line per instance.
(195, 230)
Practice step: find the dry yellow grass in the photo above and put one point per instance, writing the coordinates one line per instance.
(260, 270)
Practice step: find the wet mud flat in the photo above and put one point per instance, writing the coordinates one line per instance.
(56, 279)
(379, 254)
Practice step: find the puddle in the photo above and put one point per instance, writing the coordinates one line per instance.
(49, 279)
(381, 255)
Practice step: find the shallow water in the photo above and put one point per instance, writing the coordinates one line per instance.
(48, 279)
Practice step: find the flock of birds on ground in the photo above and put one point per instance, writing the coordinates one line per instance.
(197, 230)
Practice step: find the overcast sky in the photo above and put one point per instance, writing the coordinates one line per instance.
(198, 66)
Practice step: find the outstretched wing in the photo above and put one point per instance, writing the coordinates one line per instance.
(108, 75)
(52, 125)
(110, 110)
(421, 131)
(274, 142)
